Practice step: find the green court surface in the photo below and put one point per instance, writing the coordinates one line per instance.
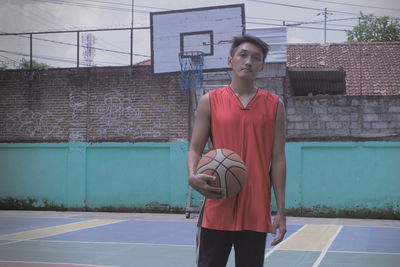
(33, 239)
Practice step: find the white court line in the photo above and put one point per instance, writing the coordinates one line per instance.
(325, 250)
(11, 242)
(282, 242)
(57, 263)
(105, 243)
(349, 252)
(364, 252)
(370, 226)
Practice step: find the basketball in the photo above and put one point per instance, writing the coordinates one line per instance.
(228, 168)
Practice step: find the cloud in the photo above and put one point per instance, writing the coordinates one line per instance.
(295, 39)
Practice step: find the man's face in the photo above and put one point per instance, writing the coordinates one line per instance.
(247, 61)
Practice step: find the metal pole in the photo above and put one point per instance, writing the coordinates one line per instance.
(132, 34)
(73, 31)
(77, 49)
(326, 16)
(131, 47)
(30, 65)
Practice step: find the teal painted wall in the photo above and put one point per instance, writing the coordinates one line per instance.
(341, 178)
(323, 178)
(34, 171)
(78, 175)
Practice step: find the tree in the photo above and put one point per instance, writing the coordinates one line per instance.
(3, 66)
(26, 64)
(374, 29)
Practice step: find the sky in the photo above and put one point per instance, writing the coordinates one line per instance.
(113, 47)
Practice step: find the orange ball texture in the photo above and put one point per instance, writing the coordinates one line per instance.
(228, 168)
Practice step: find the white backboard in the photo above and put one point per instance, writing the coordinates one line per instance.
(209, 30)
(276, 38)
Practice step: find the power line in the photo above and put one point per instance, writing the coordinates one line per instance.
(287, 5)
(264, 23)
(36, 17)
(53, 19)
(332, 24)
(75, 45)
(296, 26)
(64, 60)
(302, 7)
(280, 20)
(309, 22)
(312, 8)
(10, 61)
(52, 58)
(72, 26)
(365, 6)
(74, 31)
(68, 3)
(315, 28)
(127, 5)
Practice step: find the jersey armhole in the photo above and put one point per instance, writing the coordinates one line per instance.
(276, 108)
(210, 141)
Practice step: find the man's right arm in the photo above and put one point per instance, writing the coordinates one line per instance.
(200, 134)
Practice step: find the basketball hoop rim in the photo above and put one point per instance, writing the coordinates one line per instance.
(191, 54)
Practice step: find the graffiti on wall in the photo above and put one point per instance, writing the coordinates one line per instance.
(107, 117)
(118, 116)
(77, 125)
(26, 122)
(75, 104)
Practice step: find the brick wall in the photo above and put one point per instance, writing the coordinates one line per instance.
(91, 105)
(343, 117)
(130, 104)
(322, 117)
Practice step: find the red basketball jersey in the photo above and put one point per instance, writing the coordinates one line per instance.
(248, 131)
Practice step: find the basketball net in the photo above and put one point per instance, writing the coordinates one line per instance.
(192, 63)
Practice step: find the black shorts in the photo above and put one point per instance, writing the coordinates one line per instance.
(214, 247)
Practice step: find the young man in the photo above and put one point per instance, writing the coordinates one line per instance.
(250, 122)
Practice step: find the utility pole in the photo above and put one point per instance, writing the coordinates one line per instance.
(31, 57)
(325, 13)
(325, 16)
(77, 49)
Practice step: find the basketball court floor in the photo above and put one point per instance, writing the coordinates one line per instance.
(29, 238)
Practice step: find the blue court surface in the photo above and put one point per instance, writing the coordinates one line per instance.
(50, 239)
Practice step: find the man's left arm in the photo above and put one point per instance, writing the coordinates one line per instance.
(278, 173)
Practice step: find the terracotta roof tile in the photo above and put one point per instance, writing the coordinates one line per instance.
(146, 62)
(372, 68)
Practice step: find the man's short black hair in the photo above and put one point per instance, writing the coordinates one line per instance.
(237, 41)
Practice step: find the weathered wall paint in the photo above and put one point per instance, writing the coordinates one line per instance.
(352, 179)
(86, 175)
(35, 171)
